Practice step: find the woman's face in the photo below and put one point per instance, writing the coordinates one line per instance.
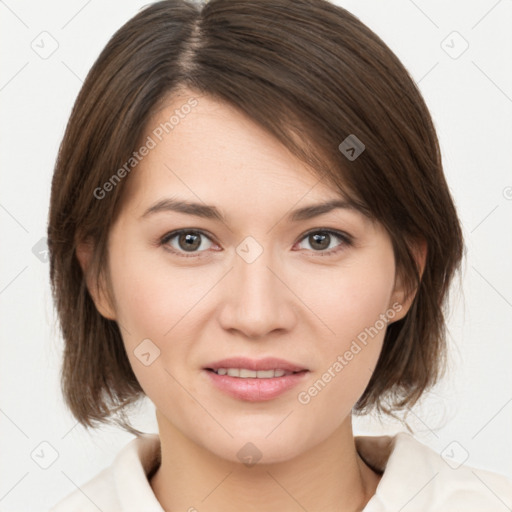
(261, 283)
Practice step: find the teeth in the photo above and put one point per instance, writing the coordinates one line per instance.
(243, 373)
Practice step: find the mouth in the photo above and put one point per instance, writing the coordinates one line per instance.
(245, 373)
(254, 380)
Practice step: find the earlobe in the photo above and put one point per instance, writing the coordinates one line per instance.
(400, 296)
(84, 251)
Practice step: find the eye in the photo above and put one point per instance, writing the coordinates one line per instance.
(320, 239)
(190, 241)
(186, 241)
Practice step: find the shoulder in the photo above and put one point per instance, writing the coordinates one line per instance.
(416, 477)
(122, 486)
(97, 494)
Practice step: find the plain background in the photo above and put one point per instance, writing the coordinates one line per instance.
(469, 93)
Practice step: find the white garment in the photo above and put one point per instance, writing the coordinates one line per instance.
(415, 479)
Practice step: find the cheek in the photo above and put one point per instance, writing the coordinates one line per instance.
(351, 298)
(159, 303)
(362, 298)
(150, 303)
(150, 298)
(351, 303)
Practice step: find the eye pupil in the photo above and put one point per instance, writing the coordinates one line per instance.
(192, 241)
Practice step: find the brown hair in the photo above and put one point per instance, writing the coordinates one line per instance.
(311, 74)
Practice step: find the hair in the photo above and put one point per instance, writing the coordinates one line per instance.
(311, 74)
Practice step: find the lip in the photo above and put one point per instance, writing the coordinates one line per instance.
(253, 389)
(267, 363)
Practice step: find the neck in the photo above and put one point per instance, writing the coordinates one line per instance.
(330, 477)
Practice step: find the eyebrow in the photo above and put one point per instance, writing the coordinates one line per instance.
(211, 212)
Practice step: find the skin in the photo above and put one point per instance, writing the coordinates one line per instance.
(291, 302)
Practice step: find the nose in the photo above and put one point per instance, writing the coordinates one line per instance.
(257, 298)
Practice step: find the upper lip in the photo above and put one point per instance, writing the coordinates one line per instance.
(267, 363)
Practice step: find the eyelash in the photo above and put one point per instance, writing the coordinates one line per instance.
(346, 240)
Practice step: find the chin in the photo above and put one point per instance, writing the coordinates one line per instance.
(255, 452)
(262, 445)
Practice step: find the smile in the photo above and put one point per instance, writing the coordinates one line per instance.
(244, 373)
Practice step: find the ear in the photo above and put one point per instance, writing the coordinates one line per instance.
(419, 251)
(84, 252)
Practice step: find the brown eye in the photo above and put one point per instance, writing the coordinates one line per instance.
(189, 241)
(321, 240)
(185, 241)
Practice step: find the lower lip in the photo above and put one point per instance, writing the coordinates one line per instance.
(256, 390)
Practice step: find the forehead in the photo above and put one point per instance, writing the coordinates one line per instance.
(211, 149)
(215, 132)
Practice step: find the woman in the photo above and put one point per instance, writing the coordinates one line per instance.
(250, 225)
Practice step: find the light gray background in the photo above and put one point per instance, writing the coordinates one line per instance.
(470, 97)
